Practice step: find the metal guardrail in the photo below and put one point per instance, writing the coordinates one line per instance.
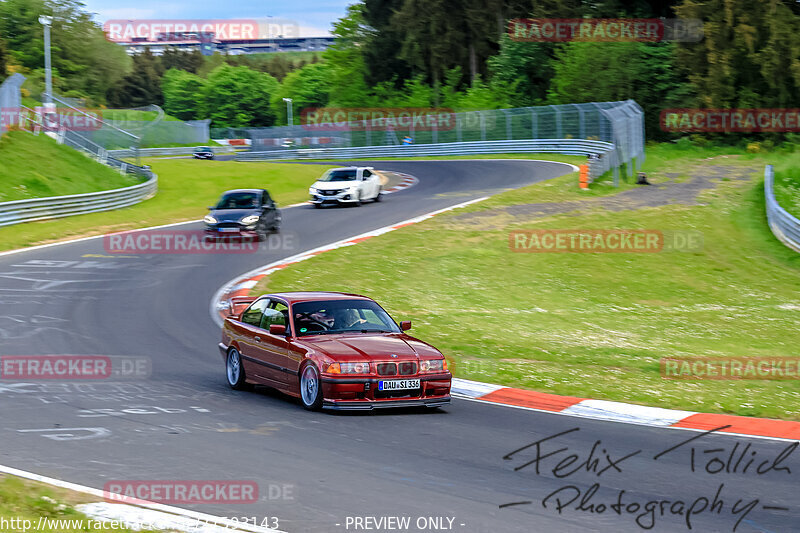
(76, 204)
(597, 166)
(180, 150)
(783, 225)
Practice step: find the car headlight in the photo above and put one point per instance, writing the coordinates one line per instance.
(432, 365)
(208, 219)
(348, 368)
(312, 190)
(250, 219)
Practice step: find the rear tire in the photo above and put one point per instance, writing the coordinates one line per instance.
(378, 197)
(234, 370)
(310, 389)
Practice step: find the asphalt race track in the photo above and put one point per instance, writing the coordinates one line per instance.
(314, 470)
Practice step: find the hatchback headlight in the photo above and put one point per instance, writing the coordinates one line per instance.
(312, 190)
(432, 365)
(250, 219)
(208, 219)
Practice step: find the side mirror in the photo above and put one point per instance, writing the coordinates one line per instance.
(405, 325)
(277, 329)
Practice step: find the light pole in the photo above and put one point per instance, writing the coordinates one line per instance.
(48, 74)
(289, 110)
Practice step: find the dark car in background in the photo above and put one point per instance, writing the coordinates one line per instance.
(203, 152)
(248, 213)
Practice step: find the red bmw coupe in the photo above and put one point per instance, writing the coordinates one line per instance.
(332, 350)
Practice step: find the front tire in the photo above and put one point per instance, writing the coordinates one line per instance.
(234, 370)
(310, 389)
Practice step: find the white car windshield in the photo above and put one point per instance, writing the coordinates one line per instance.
(347, 174)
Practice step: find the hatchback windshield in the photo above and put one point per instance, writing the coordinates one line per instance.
(347, 174)
(238, 200)
(338, 316)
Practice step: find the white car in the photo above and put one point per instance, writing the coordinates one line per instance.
(347, 185)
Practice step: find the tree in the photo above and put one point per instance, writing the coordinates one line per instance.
(239, 96)
(84, 62)
(308, 87)
(346, 62)
(522, 71)
(183, 94)
(190, 61)
(3, 60)
(142, 87)
(599, 72)
(750, 55)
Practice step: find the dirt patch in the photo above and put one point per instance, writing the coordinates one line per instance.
(669, 192)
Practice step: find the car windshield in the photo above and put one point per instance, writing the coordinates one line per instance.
(203, 149)
(238, 200)
(340, 316)
(346, 174)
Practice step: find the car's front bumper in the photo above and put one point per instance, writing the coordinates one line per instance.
(344, 197)
(367, 405)
(363, 393)
(241, 232)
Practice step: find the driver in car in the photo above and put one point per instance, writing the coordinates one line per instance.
(346, 319)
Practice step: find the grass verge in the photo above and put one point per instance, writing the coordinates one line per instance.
(36, 166)
(22, 500)
(594, 324)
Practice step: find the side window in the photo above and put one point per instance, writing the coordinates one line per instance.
(367, 173)
(254, 313)
(265, 199)
(276, 313)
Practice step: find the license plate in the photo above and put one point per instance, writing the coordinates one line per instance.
(229, 230)
(398, 384)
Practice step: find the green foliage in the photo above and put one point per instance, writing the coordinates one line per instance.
(307, 87)
(183, 94)
(239, 96)
(84, 62)
(142, 86)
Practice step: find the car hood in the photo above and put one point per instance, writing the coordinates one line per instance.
(333, 185)
(371, 347)
(232, 215)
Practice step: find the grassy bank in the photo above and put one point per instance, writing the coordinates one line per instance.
(596, 324)
(36, 166)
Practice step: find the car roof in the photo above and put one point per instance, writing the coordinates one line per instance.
(313, 296)
(350, 168)
(244, 190)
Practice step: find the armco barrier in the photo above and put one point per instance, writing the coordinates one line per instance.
(783, 225)
(597, 166)
(181, 150)
(78, 204)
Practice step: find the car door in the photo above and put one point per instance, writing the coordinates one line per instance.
(250, 341)
(269, 211)
(372, 183)
(276, 349)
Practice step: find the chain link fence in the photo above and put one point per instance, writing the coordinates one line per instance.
(619, 123)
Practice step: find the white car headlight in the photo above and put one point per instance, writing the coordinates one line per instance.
(208, 219)
(312, 190)
(250, 219)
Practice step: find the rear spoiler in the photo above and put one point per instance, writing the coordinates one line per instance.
(237, 304)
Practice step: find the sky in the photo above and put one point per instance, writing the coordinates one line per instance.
(314, 17)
